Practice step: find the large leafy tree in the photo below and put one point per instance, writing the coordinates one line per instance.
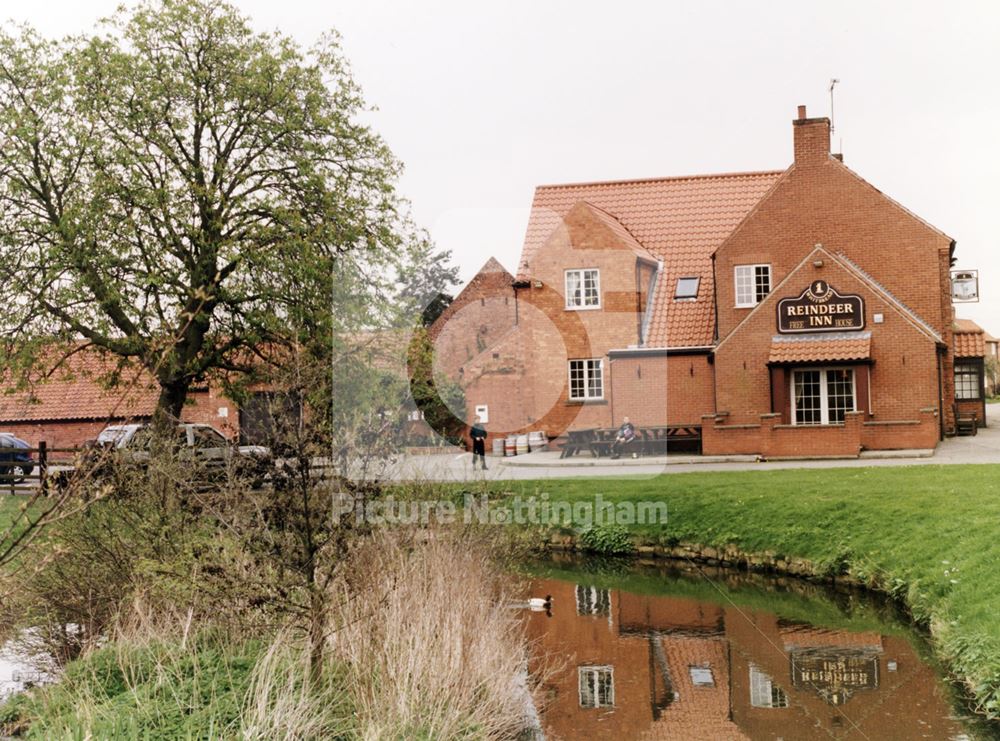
(183, 193)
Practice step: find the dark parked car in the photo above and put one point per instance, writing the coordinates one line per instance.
(16, 462)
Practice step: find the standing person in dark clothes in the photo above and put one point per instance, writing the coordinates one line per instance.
(478, 435)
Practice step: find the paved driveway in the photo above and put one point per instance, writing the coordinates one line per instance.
(983, 448)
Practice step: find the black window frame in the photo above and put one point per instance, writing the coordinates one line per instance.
(971, 367)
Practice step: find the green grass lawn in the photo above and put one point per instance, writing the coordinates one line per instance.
(928, 534)
(10, 507)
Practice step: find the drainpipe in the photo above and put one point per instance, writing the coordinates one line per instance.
(611, 391)
(940, 369)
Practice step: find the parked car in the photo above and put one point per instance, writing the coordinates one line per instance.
(204, 442)
(16, 462)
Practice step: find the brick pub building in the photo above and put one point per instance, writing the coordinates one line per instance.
(783, 313)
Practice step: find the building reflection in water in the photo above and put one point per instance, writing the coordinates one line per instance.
(628, 666)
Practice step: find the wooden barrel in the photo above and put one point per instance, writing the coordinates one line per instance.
(537, 441)
(510, 446)
(522, 444)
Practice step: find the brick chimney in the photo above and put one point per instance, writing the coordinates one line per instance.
(812, 139)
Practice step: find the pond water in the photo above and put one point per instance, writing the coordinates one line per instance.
(23, 663)
(660, 651)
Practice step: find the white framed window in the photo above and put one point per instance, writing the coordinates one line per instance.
(822, 396)
(597, 686)
(687, 288)
(753, 283)
(968, 384)
(583, 289)
(592, 600)
(764, 693)
(586, 379)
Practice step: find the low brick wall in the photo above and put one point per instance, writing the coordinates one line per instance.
(921, 434)
(770, 438)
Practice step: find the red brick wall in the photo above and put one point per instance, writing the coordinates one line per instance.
(920, 434)
(640, 390)
(904, 376)
(480, 316)
(555, 335)
(56, 434)
(770, 438)
(819, 201)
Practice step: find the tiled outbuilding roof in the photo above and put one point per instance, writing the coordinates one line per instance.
(79, 389)
(680, 221)
(819, 348)
(970, 339)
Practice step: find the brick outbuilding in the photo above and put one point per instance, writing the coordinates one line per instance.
(78, 399)
(782, 313)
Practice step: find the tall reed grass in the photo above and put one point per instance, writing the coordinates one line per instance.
(430, 649)
(420, 645)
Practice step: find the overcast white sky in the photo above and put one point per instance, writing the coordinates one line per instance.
(484, 101)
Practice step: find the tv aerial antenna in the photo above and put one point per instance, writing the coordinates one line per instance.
(833, 84)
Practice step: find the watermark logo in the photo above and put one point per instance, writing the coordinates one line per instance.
(482, 509)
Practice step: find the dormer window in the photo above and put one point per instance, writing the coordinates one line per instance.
(583, 289)
(687, 288)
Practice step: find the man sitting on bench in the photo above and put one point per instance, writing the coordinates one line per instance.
(624, 439)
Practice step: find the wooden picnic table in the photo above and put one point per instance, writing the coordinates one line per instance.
(654, 440)
(577, 440)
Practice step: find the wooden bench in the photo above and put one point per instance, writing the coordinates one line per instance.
(660, 440)
(577, 440)
(654, 440)
(966, 423)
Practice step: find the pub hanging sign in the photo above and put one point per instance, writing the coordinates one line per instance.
(820, 308)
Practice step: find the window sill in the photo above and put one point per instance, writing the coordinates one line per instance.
(585, 402)
(805, 426)
(583, 308)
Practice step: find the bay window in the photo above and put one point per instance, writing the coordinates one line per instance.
(822, 396)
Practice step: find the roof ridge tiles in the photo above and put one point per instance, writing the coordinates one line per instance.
(669, 178)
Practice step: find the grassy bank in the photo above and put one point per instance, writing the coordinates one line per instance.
(411, 652)
(929, 535)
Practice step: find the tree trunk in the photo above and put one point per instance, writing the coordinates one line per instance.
(317, 635)
(171, 401)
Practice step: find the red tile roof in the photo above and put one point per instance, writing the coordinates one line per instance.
(79, 390)
(970, 339)
(698, 713)
(819, 348)
(967, 326)
(621, 232)
(970, 346)
(680, 221)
